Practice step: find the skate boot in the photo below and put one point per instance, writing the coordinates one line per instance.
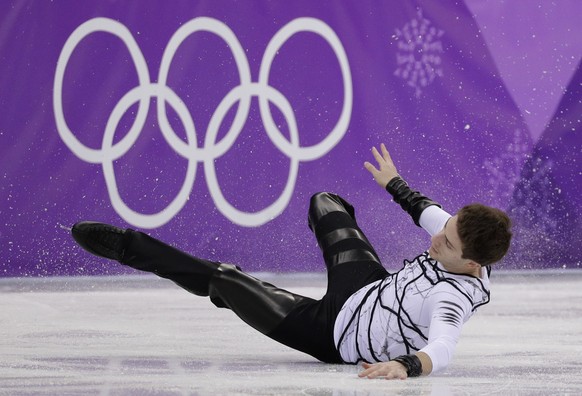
(100, 239)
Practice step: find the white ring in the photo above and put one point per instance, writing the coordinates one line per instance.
(224, 32)
(267, 214)
(166, 214)
(316, 26)
(91, 26)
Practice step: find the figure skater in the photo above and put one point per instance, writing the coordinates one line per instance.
(398, 325)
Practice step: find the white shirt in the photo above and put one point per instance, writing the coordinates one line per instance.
(422, 307)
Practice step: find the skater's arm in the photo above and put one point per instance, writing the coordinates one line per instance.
(386, 175)
(449, 311)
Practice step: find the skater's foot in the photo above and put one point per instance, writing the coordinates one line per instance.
(100, 239)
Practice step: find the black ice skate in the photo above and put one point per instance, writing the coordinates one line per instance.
(100, 239)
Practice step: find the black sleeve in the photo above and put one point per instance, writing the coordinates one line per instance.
(413, 202)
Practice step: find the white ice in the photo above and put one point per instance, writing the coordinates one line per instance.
(140, 335)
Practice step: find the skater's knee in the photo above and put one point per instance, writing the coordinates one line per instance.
(322, 197)
(323, 203)
(219, 281)
(225, 272)
(327, 199)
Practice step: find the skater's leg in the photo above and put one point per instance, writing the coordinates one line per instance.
(309, 328)
(351, 262)
(350, 259)
(145, 253)
(299, 322)
(149, 254)
(258, 303)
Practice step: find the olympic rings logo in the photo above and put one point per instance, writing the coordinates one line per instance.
(212, 149)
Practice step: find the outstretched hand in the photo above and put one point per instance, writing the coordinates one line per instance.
(386, 370)
(387, 171)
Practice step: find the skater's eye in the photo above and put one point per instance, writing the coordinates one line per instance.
(447, 242)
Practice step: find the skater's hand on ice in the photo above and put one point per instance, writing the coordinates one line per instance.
(387, 170)
(386, 370)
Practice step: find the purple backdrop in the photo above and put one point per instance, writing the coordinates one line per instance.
(210, 124)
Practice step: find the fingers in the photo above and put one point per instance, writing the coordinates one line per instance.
(384, 157)
(370, 372)
(385, 153)
(377, 156)
(384, 170)
(382, 370)
(371, 168)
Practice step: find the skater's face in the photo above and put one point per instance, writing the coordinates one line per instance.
(446, 248)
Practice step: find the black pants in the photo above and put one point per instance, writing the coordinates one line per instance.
(299, 322)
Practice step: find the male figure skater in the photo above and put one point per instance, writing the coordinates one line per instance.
(398, 325)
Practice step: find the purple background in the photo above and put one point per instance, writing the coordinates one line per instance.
(499, 123)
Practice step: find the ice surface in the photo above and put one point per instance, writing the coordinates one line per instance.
(139, 335)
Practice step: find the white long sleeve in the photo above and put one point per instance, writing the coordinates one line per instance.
(433, 219)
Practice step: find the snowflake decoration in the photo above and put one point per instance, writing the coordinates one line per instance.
(418, 58)
(504, 170)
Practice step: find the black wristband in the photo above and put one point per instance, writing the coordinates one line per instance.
(413, 202)
(394, 184)
(412, 364)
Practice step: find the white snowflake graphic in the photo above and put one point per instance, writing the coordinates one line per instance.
(504, 170)
(418, 58)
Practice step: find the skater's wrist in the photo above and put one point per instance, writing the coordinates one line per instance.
(412, 364)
